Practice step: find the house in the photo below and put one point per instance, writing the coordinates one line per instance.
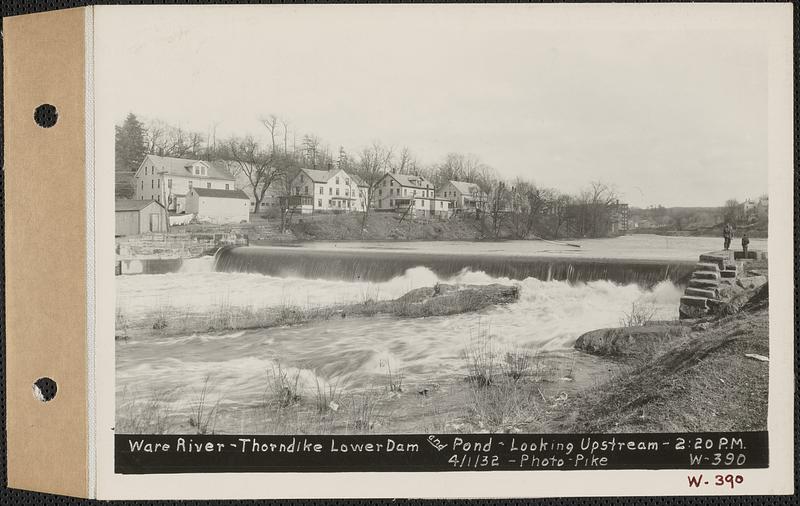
(467, 197)
(325, 190)
(218, 206)
(168, 180)
(405, 193)
(134, 217)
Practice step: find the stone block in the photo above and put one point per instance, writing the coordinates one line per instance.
(703, 283)
(701, 292)
(712, 267)
(688, 312)
(727, 273)
(705, 275)
(691, 300)
(751, 282)
(751, 255)
(717, 257)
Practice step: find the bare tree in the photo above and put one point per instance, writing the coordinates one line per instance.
(257, 164)
(375, 162)
(527, 202)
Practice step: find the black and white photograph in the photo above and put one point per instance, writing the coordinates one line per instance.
(442, 229)
(390, 224)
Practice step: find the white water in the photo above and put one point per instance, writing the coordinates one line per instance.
(549, 316)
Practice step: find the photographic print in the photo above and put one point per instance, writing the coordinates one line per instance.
(440, 231)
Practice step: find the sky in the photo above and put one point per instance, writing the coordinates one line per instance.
(669, 113)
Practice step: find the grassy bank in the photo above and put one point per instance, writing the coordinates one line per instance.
(384, 227)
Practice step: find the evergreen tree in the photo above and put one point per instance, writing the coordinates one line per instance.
(130, 144)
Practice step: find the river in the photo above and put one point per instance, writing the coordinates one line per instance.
(355, 352)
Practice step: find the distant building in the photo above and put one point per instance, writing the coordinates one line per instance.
(218, 206)
(620, 218)
(134, 217)
(325, 190)
(464, 196)
(405, 193)
(166, 179)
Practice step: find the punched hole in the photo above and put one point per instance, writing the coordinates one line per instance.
(44, 389)
(45, 115)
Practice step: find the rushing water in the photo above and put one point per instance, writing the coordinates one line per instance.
(355, 352)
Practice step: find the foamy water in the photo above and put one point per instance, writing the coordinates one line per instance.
(353, 352)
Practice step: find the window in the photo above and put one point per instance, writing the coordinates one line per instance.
(319, 202)
(405, 192)
(190, 184)
(380, 193)
(227, 186)
(391, 182)
(169, 183)
(142, 185)
(196, 171)
(305, 190)
(208, 185)
(330, 191)
(321, 191)
(337, 192)
(346, 192)
(297, 190)
(347, 181)
(329, 202)
(337, 179)
(158, 198)
(390, 203)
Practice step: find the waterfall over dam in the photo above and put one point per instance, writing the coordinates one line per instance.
(380, 266)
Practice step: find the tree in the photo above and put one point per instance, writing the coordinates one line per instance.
(129, 144)
(561, 206)
(497, 209)
(374, 163)
(732, 211)
(528, 202)
(257, 164)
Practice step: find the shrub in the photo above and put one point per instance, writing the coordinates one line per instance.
(640, 315)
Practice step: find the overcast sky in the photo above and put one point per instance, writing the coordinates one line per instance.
(669, 116)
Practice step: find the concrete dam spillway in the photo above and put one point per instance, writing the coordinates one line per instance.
(384, 265)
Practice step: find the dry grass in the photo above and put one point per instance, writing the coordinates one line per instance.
(204, 415)
(282, 387)
(152, 415)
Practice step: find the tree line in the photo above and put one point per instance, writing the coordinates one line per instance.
(510, 208)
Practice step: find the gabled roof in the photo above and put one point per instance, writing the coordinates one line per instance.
(467, 188)
(357, 180)
(182, 167)
(221, 194)
(132, 205)
(318, 176)
(412, 181)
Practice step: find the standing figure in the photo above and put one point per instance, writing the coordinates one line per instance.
(745, 243)
(727, 235)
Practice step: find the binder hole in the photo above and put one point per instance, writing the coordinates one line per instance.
(45, 115)
(44, 389)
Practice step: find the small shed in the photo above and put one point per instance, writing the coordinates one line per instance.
(134, 217)
(218, 206)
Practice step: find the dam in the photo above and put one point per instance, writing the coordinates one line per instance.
(380, 265)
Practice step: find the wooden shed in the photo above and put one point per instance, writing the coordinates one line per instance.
(134, 217)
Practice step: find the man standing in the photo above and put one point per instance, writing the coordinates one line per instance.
(745, 243)
(727, 235)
